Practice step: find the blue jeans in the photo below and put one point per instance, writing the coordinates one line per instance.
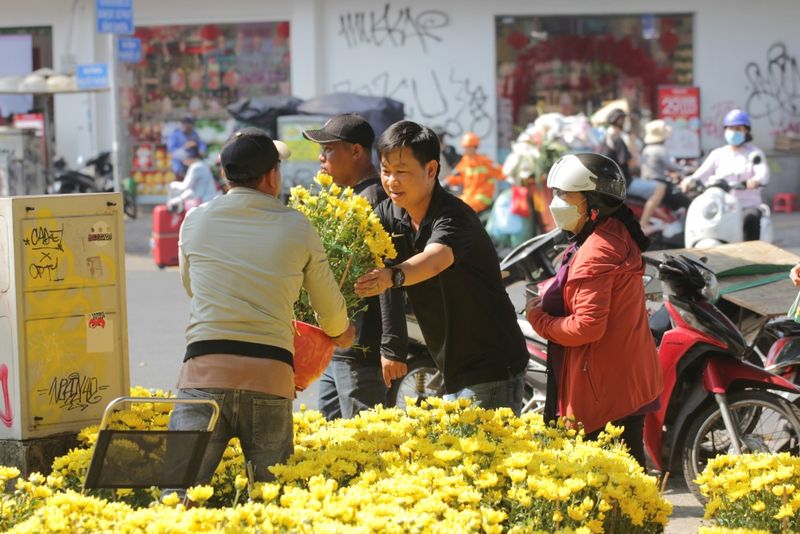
(347, 387)
(500, 394)
(262, 422)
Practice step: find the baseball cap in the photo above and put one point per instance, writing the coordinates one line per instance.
(250, 153)
(188, 119)
(349, 127)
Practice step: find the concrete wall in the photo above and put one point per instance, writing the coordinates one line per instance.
(438, 56)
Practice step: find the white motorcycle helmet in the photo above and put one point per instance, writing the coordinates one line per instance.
(599, 177)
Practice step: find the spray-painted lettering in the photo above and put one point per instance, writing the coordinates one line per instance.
(394, 26)
(74, 392)
(454, 102)
(6, 416)
(775, 88)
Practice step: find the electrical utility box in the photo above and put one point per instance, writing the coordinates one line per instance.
(63, 320)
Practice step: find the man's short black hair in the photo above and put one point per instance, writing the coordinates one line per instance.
(423, 142)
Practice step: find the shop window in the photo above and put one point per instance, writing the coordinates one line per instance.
(573, 64)
(196, 70)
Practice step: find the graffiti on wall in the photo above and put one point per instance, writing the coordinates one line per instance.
(452, 101)
(712, 121)
(6, 416)
(392, 26)
(46, 244)
(774, 87)
(74, 392)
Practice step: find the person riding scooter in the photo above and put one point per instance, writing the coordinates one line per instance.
(742, 165)
(656, 163)
(197, 187)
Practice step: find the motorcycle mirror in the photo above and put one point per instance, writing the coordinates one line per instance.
(703, 259)
(755, 159)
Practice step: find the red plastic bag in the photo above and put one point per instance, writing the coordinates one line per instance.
(519, 201)
(313, 350)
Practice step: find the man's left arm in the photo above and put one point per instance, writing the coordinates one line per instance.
(183, 262)
(394, 336)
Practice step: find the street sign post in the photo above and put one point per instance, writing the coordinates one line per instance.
(114, 16)
(93, 76)
(129, 49)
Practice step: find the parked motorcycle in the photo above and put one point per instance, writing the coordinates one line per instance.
(532, 262)
(96, 176)
(714, 401)
(783, 356)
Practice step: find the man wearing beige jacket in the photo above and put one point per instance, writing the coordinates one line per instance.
(243, 258)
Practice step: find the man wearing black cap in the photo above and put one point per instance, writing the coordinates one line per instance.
(357, 378)
(243, 258)
(181, 139)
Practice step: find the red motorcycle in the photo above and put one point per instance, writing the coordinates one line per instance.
(783, 356)
(714, 401)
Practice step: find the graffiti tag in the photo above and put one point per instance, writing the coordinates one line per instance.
(455, 102)
(6, 416)
(74, 392)
(775, 88)
(47, 245)
(712, 124)
(396, 27)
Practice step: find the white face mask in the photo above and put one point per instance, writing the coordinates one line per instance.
(566, 215)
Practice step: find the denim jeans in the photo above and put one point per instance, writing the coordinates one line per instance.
(500, 394)
(348, 387)
(262, 422)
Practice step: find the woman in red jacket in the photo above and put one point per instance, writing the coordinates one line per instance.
(602, 358)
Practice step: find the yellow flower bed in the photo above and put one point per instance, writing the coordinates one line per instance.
(753, 491)
(352, 235)
(439, 467)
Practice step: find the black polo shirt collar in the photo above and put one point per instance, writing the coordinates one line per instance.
(438, 196)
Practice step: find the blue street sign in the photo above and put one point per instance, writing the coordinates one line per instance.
(92, 76)
(114, 16)
(129, 49)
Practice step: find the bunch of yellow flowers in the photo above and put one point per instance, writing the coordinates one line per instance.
(351, 233)
(439, 467)
(754, 491)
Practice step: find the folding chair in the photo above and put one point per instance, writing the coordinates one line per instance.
(148, 458)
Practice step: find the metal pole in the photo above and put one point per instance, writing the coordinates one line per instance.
(115, 111)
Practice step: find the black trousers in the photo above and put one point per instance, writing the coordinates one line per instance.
(752, 224)
(632, 436)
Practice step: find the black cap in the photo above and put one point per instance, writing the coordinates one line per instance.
(349, 127)
(250, 153)
(188, 119)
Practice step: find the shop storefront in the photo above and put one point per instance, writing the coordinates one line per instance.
(576, 64)
(196, 71)
(466, 65)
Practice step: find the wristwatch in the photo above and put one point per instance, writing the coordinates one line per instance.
(398, 277)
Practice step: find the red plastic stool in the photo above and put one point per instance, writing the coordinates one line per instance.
(784, 202)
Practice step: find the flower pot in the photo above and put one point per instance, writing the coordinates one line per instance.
(313, 350)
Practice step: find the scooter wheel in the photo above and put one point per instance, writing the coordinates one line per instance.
(764, 421)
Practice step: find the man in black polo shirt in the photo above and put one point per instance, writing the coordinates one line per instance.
(447, 265)
(358, 377)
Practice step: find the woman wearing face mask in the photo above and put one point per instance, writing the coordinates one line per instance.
(738, 163)
(603, 365)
